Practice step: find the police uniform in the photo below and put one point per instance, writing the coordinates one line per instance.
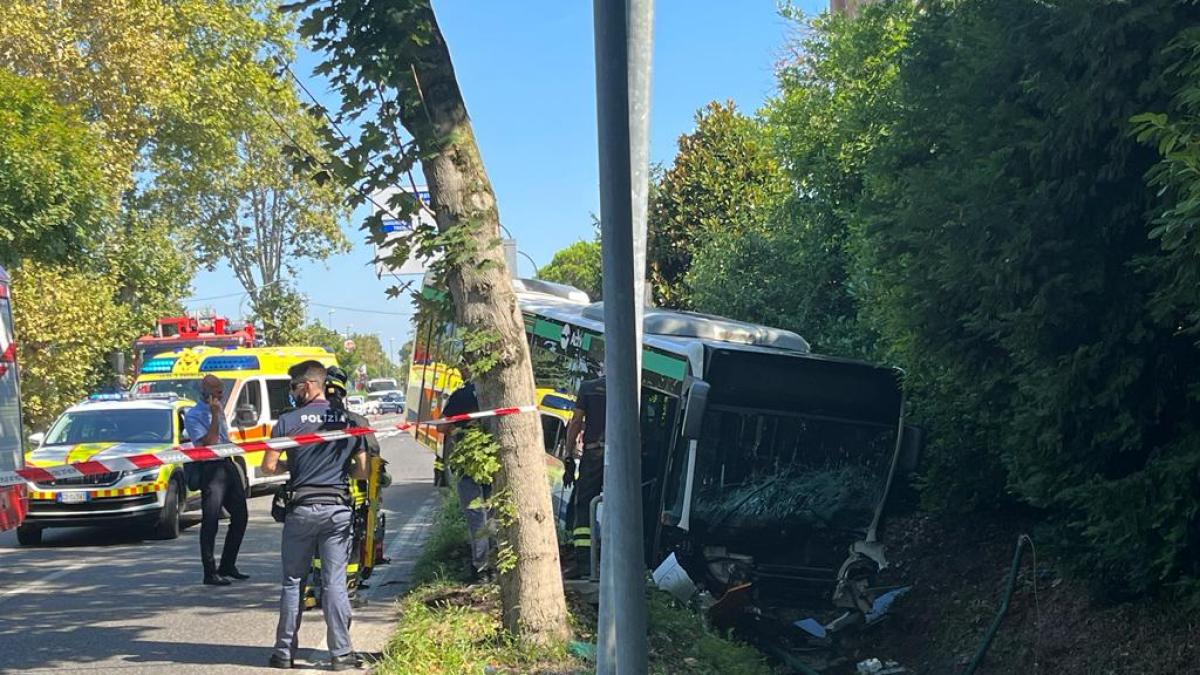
(319, 521)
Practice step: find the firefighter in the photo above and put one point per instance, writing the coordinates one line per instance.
(586, 425)
(366, 537)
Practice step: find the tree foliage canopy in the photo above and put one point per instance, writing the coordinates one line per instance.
(54, 196)
(577, 265)
(720, 187)
(1001, 198)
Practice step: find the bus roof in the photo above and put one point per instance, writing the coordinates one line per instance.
(674, 331)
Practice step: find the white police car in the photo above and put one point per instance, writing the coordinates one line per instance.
(105, 426)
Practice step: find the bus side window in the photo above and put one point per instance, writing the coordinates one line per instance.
(279, 396)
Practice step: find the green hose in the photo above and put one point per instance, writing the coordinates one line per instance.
(1008, 593)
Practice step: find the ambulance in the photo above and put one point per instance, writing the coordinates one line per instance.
(256, 384)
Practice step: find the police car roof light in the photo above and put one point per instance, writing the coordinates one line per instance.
(108, 397)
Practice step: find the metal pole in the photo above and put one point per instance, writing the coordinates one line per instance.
(622, 32)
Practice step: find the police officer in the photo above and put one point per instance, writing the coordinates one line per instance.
(335, 392)
(319, 517)
(587, 421)
(220, 486)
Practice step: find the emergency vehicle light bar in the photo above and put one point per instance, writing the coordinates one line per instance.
(215, 363)
(158, 366)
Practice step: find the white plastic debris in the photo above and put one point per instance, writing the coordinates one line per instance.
(672, 578)
(870, 667)
(877, 667)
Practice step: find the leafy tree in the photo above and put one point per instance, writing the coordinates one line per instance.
(577, 265)
(722, 184)
(54, 198)
(1174, 131)
(250, 210)
(368, 350)
(1004, 227)
(156, 79)
(68, 321)
(94, 94)
(392, 66)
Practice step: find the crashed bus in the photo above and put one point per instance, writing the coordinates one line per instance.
(765, 467)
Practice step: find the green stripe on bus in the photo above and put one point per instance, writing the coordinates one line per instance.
(545, 329)
(663, 365)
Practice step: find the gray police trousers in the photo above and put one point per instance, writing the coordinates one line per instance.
(310, 529)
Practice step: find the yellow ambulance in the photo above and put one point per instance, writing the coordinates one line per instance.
(256, 382)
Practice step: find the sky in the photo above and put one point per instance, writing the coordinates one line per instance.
(527, 72)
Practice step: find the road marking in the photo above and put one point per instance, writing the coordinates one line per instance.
(11, 593)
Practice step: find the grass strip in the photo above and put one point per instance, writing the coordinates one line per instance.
(448, 626)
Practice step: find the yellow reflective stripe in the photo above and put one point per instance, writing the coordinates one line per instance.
(84, 451)
(582, 530)
(110, 492)
(582, 543)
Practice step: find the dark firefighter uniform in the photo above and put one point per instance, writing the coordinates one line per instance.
(589, 411)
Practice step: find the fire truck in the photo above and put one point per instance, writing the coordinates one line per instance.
(176, 332)
(13, 502)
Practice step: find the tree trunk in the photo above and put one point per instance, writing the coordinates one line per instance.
(532, 592)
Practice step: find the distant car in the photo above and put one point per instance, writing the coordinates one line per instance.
(375, 401)
(356, 404)
(391, 404)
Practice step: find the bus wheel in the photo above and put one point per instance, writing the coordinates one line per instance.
(168, 524)
(29, 535)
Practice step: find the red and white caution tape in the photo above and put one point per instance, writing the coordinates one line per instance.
(185, 454)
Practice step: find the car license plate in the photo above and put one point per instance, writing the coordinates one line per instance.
(72, 497)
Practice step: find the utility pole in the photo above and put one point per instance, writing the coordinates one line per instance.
(623, 46)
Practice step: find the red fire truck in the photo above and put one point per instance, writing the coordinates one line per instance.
(175, 332)
(12, 499)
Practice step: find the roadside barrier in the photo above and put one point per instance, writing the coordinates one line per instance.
(184, 454)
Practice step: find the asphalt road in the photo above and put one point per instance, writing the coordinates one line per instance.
(92, 600)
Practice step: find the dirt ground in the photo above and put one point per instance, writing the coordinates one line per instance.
(958, 569)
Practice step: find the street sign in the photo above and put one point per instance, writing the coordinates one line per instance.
(398, 228)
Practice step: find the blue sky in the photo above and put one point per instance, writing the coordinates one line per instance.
(527, 72)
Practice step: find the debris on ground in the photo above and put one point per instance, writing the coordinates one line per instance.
(877, 667)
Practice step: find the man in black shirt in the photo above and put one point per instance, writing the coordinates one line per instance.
(464, 400)
(587, 421)
(319, 516)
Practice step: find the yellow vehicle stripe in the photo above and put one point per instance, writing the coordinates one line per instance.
(101, 494)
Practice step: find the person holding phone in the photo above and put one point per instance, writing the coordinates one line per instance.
(220, 486)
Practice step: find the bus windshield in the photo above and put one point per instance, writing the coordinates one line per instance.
(112, 426)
